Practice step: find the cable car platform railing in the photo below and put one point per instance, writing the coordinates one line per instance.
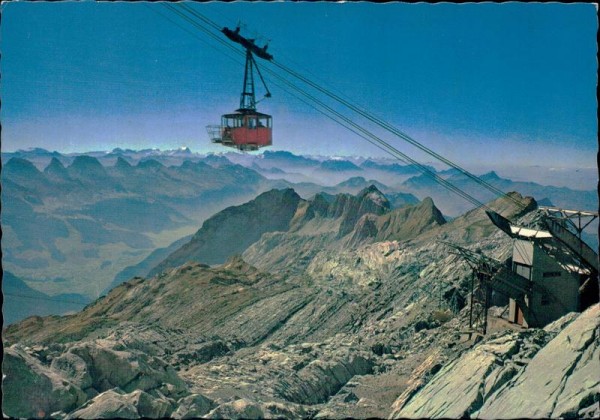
(587, 255)
(215, 133)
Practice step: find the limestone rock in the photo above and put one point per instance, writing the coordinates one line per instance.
(74, 368)
(563, 378)
(320, 379)
(32, 390)
(109, 404)
(201, 353)
(518, 374)
(151, 406)
(284, 411)
(238, 409)
(193, 406)
(128, 370)
(114, 403)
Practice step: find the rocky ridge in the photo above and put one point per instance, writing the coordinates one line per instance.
(280, 219)
(549, 373)
(365, 331)
(232, 230)
(334, 223)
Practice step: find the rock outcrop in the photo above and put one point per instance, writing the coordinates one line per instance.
(193, 406)
(56, 170)
(329, 223)
(115, 403)
(232, 230)
(32, 390)
(59, 378)
(128, 370)
(562, 379)
(400, 224)
(527, 374)
(238, 409)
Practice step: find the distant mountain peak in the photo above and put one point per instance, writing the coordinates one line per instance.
(54, 162)
(373, 194)
(194, 166)
(216, 160)
(490, 176)
(19, 166)
(400, 224)
(394, 167)
(150, 164)
(87, 167)
(279, 156)
(233, 229)
(55, 167)
(119, 151)
(36, 151)
(122, 163)
(183, 150)
(338, 165)
(86, 162)
(354, 181)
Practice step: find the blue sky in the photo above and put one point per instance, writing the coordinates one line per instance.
(483, 82)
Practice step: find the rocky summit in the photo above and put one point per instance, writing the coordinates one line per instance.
(331, 307)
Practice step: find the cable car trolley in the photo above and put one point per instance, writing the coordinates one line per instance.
(246, 128)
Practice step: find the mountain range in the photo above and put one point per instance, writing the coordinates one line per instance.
(94, 220)
(339, 306)
(88, 221)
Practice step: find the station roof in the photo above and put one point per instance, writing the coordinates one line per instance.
(526, 233)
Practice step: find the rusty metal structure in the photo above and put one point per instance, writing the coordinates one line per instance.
(487, 275)
(560, 271)
(551, 272)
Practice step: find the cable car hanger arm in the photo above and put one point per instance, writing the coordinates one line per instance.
(268, 94)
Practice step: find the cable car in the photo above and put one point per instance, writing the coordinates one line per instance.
(246, 128)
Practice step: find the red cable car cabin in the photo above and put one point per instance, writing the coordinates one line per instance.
(244, 130)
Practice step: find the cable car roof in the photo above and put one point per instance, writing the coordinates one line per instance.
(240, 112)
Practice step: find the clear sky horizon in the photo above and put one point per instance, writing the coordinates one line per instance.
(492, 83)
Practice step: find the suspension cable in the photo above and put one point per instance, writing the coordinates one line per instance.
(383, 145)
(398, 133)
(349, 123)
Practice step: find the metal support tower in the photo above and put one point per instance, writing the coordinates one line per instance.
(248, 98)
(482, 270)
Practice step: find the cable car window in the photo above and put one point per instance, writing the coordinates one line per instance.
(264, 122)
(551, 274)
(523, 270)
